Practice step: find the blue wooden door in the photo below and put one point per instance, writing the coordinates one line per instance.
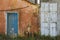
(12, 24)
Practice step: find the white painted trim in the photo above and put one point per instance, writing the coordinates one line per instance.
(5, 22)
(5, 13)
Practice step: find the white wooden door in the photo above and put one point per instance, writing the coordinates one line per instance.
(48, 19)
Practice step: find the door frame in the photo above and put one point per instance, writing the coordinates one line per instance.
(6, 20)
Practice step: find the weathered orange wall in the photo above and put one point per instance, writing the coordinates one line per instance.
(2, 23)
(26, 15)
